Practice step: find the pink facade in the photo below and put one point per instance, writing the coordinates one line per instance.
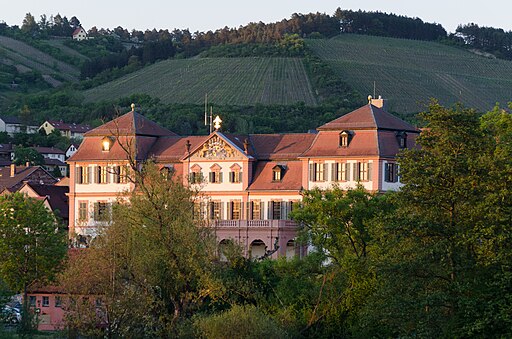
(248, 184)
(47, 308)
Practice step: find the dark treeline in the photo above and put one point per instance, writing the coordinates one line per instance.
(389, 25)
(487, 39)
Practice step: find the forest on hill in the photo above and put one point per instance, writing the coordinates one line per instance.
(111, 54)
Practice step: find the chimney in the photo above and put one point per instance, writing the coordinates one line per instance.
(13, 170)
(379, 102)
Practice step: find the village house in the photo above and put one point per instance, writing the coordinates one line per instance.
(12, 178)
(12, 125)
(70, 130)
(79, 34)
(249, 183)
(71, 150)
(53, 158)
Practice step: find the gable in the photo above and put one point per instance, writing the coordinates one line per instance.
(217, 147)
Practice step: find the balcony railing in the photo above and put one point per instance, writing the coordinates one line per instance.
(253, 223)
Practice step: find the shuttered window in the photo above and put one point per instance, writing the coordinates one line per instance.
(391, 172)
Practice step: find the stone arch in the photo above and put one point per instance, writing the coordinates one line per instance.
(222, 247)
(257, 249)
(291, 249)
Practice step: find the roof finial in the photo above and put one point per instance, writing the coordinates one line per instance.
(370, 99)
(216, 122)
(133, 107)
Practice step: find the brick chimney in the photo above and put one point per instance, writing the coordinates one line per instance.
(379, 102)
(13, 170)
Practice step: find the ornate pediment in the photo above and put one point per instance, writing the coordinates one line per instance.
(217, 148)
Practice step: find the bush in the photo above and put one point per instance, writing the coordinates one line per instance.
(239, 322)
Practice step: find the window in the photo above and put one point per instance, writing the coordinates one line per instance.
(276, 207)
(401, 137)
(235, 176)
(46, 301)
(391, 172)
(82, 210)
(32, 300)
(236, 210)
(82, 175)
(106, 143)
(198, 210)
(102, 174)
(362, 171)
(344, 138)
(101, 211)
(317, 171)
(215, 210)
(255, 210)
(124, 172)
(58, 301)
(215, 177)
(196, 177)
(340, 171)
(167, 171)
(277, 174)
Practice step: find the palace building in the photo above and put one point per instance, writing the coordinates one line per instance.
(249, 183)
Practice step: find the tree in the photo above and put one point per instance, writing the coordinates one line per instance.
(151, 266)
(337, 222)
(441, 253)
(29, 24)
(31, 244)
(23, 155)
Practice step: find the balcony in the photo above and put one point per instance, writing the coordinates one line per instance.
(253, 224)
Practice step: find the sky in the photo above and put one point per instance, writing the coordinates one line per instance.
(202, 15)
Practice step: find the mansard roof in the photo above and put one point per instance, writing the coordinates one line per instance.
(291, 177)
(90, 149)
(368, 117)
(131, 123)
(280, 146)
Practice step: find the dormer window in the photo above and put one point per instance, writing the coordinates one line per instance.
(401, 137)
(106, 143)
(344, 138)
(277, 173)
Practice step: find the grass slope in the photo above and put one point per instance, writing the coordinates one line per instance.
(23, 56)
(409, 72)
(228, 81)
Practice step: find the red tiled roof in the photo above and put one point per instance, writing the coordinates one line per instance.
(291, 176)
(63, 126)
(49, 150)
(90, 149)
(362, 143)
(57, 197)
(368, 117)
(280, 146)
(131, 123)
(77, 30)
(22, 173)
(53, 162)
(174, 148)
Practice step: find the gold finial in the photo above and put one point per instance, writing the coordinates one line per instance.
(370, 99)
(133, 107)
(216, 122)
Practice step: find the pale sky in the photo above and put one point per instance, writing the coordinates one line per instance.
(202, 15)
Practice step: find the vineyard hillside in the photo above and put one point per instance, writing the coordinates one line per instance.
(227, 81)
(27, 58)
(409, 72)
